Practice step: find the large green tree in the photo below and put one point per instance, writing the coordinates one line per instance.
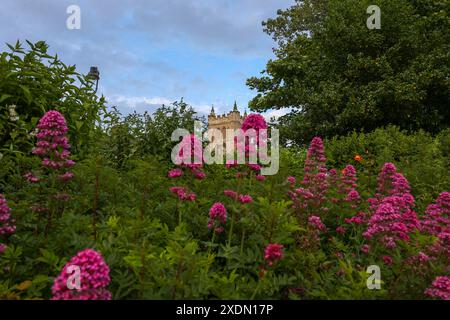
(337, 75)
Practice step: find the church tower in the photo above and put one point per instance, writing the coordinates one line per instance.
(231, 120)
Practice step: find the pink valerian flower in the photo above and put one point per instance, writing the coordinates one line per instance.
(254, 121)
(359, 218)
(365, 248)
(437, 216)
(315, 160)
(340, 230)
(231, 194)
(31, 177)
(440, 288)
(66, 176)
(53, 145)
(217, 217)
(7, 226)
(422, 257)
(315, 179)
(399, 185)
(291, 180)
(384, 179)
(260, 177)
(389, 183)
(198, 174)
(247, 145)
(245, 198)
(94, 278)
(191, 152)
(393, 220)
(387, 260)
(175, 173)
(2, 248)
(183, 194)
(315, 222)
(352, 196)
(273, 252)
(254, 167)
(348, 180)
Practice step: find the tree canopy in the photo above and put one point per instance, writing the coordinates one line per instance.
(337, 75)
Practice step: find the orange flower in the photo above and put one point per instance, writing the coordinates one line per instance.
(357, 158)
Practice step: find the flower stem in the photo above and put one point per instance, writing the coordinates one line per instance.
(242, 241)
(231, 229)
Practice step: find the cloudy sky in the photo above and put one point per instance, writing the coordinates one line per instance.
(154, 51)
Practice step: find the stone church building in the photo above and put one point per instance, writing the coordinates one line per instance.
(231, 120)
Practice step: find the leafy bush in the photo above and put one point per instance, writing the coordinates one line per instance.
(32, 81)
(271, 238)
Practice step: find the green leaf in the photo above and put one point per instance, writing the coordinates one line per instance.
(27, 94)
(4, 97)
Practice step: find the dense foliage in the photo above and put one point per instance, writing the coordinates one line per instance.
(32, 81)
(339, 76)
(150, 230)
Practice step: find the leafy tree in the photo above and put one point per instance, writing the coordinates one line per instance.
(136, 136)
(32, 82)
(337, 76)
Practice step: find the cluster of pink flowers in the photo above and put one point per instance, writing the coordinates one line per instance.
(389, 183)
(387, 260)
(440, 288)
(183, 194)
(193, 158)
(93, 278)
(217, 217)
(291, 180)
(393, 217)
(317, 223)
(365, 248)
(31, 178)
(436, 222)
(260, 177)
(315, 160)
(249, 147)
(347, 186)
(393, 220)
(175, 173)
(437, 216)
(7, 226)
(315, 179)
(53, 145)
(242, 198)
(231, 194)
(245, 198)
(348, 179)
(273, 252)
(359, 218)
(254, 121)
